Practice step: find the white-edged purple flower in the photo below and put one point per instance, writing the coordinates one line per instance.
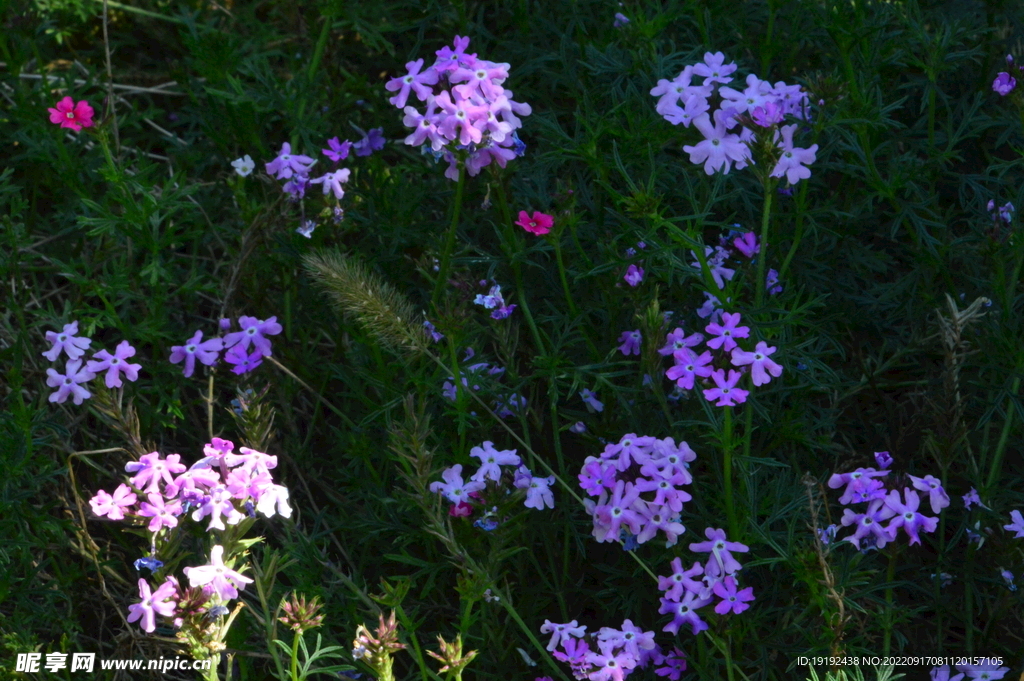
(66, 341)
(153, 603)
(115, 364)
(453, 487)
(288, 165)
(221, 579)
(560, 632)
(721, 561)
(630, 342)
(589, 397)
(332, 182)
(69, 383)
(196, 348)
(1016, 524)
(491, 461)
(254, 331)
(113, 505)
(760, 363)
(933, 486)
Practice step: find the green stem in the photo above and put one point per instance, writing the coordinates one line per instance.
(442, 275)
(994, 470)
(561, 275)
(460, 393)
(889, 574)
(734, 530)
(516, 270)
(762, 256)
(294, 670)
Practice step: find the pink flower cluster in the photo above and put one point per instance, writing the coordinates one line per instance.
(689, 365)
(254, 332)
(223, 487)
(463, 493)
(70, 382)
(727, 129)
(618, 653)
(864, 486)
(686, 591)
(638, 466)
(469, 110)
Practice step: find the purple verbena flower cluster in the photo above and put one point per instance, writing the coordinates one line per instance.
(254, 332)
(688, 590)
(759, 105)
(635, 466)
(506, 406)
(864, 486)
(470, 118)
(689, 365)
(70, 382)
(464, 493)
(223, 487)
(618, 653)
(495, 301)
(969, 672)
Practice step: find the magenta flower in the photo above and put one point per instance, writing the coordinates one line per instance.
(610, 666)
(854, 482)
(714, 69)
(719, 148)
(630, 342)
(332, 182)
(590, 398)
(683, 613)
(221, 579)
(113, 505)
(287, 165)
(634, 275)
(721, 561)
(1003, 84)
(163, 514)
(68, 114)
(413, 81)
(195, 347)
(596, 476)
(153, 603)
(337, 151)
(219, 508)
(983, 672)
(726, 333)
(453, 487)
(66, 341)
(681, 580)
(907, 516)
(244, 362)
(491, 460)
(767, 115)
(539, 223)
(688, 366)
(930, 484)
(726, 391)
(675, 664)
(69, 382)
(1016, 524)
(943, 674)
(115, 364)
(150, 469)
(677, 340)
(794, 160)
(254, 331)
(561, 632)
(747, 244)
(869, 524)
(760, 365)
(732, 600)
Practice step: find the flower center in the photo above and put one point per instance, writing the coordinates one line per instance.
(71, 115)
(481, 74)
(789, 154)
(190, 348)
(115, 361)
(251, 331)
(715, 142)
(67, 381)
(62, 338)
(758, 356)
(408, 80)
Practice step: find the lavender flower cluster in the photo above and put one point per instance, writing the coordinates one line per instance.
(619, 651)
(70, 382)
(254, 332)
(684, 594)
(463, 493)
(625, 471)
(223, 487)
(760, 104)
(863, 486)
(506, 406)
(471, 118)
(689, 365)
